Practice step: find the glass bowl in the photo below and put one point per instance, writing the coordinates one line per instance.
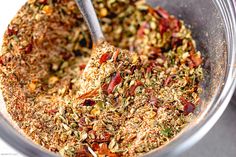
(213, 25)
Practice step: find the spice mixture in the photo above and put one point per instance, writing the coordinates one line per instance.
(125, 102)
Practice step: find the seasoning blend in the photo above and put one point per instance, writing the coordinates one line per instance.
(126, 103)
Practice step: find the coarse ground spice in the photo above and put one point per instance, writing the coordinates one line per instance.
(125, 103)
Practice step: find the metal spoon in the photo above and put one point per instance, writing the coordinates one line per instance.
(93, 73)
(90, 17)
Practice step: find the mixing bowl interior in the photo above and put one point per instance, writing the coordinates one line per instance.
(207, 27)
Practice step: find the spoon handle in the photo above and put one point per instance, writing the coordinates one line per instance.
(90, 17)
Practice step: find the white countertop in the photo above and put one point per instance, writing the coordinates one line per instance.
(6, 150)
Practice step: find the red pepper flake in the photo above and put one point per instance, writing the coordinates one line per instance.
(83, 152)
(190, 63)
(28, 48)
(106, 136)
(163, 25)
(114, 81)
(140, 31)
(89, 102)
(133, 87)
(168, 80)
(82, 66)
(66, 55)
(115, 55)
(175, 24)
(168, 22)
(149, 69)
(197, 60)
(82, 122)
(149, 90)
(95, 146)
(188, 106)
(105, 151)
(12, 31)
(1, 60)
(89, 94)
(104, 58)
(133, 68)
(105, 87)
(150, 66)
(162, 12)
(43, 1)
(155, 53)
(52, 111)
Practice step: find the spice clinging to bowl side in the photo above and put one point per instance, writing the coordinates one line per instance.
(147, 96)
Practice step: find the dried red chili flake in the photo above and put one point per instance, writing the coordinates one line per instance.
(105, 87)
(163, 25)
(154, 53)
(19, 106)
(106, 137)
(83, 152)
(43, 1)
(114, 81)
(29, 48)
(162, 12)
(149, 90)
(188, 106)
(92, 132)
(103, 150)
(197, 60)
(11, 30)
(82, 66)
(140, 31)
(66, 55)
(52, 111)
(127, 72)
(150, 66)
(89, 94)
(88, 102)
(95, 146)
(133, 87)
(82, 122)
(149, 69)
(104, 58)
(190, 63)
(175, 24)
(1, 60)
(168, 80)
(115, 55)
(132, 69)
